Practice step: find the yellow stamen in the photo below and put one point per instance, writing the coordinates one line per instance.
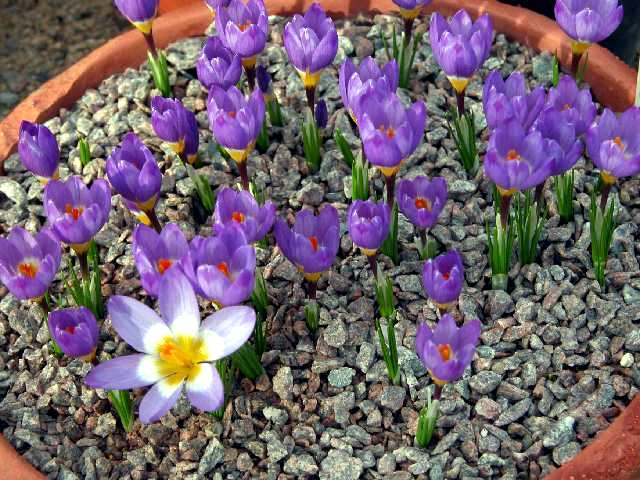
(179, 358)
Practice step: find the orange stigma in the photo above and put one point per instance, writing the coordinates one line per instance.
(224, 268)
(75, 212)
(245, 25)
(70, 329)
(237, 217)
(445, 351)
(446, 275)
(389, 131)
(314, 243)
(618, 141)
(422, 203)
(513, 155)
(232, 113)
(28, 269)
(163, 265)
(567, 106)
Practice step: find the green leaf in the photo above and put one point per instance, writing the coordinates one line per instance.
(563, 185)
(247, 361)
(602, 226)
(427, 421)
(500, 243)
(384, 295)
(360, 179)
(463, 131)
(262, 142)
(311, 142)
(529, 227)
(390, 245)
(123, 405)
(160, 73)
(389, 350)
(556, 70)
(312, 315)
(345, 149)
(83, 151)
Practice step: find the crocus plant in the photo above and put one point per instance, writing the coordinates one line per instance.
(460, 46)
(236, 122)
(446, 351)
(134, 173)
(311, 42)
(368, 225)
(587, 22)
(177, 126)
(217, 65)
(141, 14)
(176, 351)
(243, 29)
(75, 331)
(422, 200)
(39, 150)
(442, 278)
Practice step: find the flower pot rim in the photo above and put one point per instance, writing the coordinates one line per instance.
(612, 81)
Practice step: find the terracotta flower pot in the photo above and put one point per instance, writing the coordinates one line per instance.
(615, 454)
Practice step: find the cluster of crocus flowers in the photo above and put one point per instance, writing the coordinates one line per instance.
(217, 65)
(613, 144)
(221, 268)
(75, 331)
(311, 42)
(390, 132)
(236, 122)
(76, 213)
(134, 173)
(446, 351)
(243, 29)
(242, 210)
(356, 81)
(156, 254)
(442, 278)
(176, 125)
(506, 100)
(176, 351)
(28, 264)
(587, 22)
(39, 151)
(422, 200)
(460, 46)
(368, 225)
(312, 244)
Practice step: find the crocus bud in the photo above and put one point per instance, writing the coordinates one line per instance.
(139, 12)
(38, 150)
(446, 351)
(442, 278)
(217, 65)
(322, 116)
(368, 224)
(264, 79)
(75, 331)
(28, 264)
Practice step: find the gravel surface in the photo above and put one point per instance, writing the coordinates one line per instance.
(40, 38)
(556, 364)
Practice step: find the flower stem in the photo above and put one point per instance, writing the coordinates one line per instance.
(604, 195)
(576, 58)
(153, 218)
(437, 393)
(373, 263)
(391, 188)
(312, 289)
(311, 99)
(84, 266)
(151, 44)
(505, 203)
(539, 191)
(244, 174)
(251, 76)
(408, 31)
(460, 101)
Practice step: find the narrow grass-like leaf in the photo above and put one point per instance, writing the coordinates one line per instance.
(160, 73)
(360, 179)
(390, 245)
(602, 226)
(500, 245)
(564, 195)
(463, 131)
(312, 315)
(345, 149)
(389, 350)
(247, 361)
(529, 225)
(84, 152)
(427, 421)
(123, 405)
(311, 142)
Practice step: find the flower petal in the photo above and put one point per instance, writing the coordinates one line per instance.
(178, 304)
(137, 324)
(124, 373)
(227, 330)
(159, 400)
(205, 389)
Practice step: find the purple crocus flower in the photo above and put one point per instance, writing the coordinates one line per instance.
(134, 173)
(139, 12)
(174, 124)
(235, 121)
(442, 277)
(368, 224)
(390, 131)
(356, 81)
(460, 45)
(75, 331)
(516, 161)
(410, 9)
(217, 65)
(564, 145)
(506, 100)
(421, 200)
(240, 208)
(447, 350)
(588, 21)
(28, 264)
(38, 150)
(312, 244)
(311, 43)
(614, 144)
(76, 213)
(176, 350)
(156, 254)
(243, 28)
(221, 268)
(576, 105)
